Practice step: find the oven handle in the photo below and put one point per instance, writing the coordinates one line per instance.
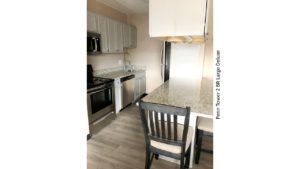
(99, 90)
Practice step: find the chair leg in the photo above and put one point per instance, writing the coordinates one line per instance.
(182, 162)
(147, 163)
(199, 145)
(187, 159)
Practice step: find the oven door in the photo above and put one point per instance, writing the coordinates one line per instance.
(100, 103)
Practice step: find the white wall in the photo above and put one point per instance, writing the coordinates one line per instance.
(147, 53)
(208, 67)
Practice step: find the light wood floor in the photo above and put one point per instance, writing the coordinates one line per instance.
(121, 145)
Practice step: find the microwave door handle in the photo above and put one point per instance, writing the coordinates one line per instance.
(94, 44)
(96, 47)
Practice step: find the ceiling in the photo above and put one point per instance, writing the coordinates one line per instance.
(129, 7)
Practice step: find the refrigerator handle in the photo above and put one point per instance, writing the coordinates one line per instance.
(161, 55)
(162, 64)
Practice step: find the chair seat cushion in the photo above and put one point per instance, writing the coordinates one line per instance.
(173, 148)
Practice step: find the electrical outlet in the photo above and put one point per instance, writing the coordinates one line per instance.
(120, 62)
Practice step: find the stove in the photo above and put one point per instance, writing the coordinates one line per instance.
(100, 99)
(98, 83)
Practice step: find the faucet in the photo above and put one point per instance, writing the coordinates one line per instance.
(128, 66)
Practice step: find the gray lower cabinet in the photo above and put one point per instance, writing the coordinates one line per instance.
(140, 84)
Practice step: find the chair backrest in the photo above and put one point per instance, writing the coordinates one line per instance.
(160, 123)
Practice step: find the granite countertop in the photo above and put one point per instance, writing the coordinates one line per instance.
(119, 74)
(196, 93)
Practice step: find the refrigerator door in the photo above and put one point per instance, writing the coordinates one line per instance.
(186, 60)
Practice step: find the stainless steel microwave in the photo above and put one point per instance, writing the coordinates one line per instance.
(93, 43)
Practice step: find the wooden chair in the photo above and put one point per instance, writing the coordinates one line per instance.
(203, 125)
(164, 135)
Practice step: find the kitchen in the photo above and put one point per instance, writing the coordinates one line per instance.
(145, 57)
(44, 122)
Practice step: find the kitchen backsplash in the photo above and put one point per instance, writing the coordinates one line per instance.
(105, 61)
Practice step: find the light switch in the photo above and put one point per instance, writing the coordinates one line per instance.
(120, 62)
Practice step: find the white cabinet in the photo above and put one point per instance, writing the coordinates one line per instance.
(115, 36)
(92, 20)
(140, 84)
(176, 17)
(129, 36)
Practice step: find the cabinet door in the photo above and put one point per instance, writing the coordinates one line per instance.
(142, 85)
(133, 37)
(115, 39)
(112, 35)
(102, 29)
(191, 22)
(92, 21)
(129, 36)
(136, 89)
(161, 18)
(126, 35)
(176, 17)
(119, 37)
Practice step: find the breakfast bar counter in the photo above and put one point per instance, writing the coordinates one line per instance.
(195, 93)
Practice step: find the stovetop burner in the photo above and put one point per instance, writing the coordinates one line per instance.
(96, 83)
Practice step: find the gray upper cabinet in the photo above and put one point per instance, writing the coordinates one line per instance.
(134, 37)
(92, 20)
(129, 36)
(115, 36)
(126, 35)
(98, 23)
(102, 29)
